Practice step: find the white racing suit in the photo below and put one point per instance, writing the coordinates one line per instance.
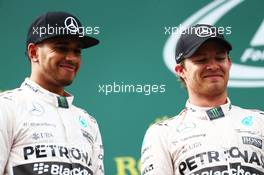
(202, 141)
(43, 133)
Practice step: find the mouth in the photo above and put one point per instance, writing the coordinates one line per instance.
(68, 66)
(212, 75)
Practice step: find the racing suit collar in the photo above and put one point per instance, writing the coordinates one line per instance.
(208, 113)
(54, 99)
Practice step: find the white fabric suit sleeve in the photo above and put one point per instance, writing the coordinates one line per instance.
(98, 155)
(155, 156)
(5, 135)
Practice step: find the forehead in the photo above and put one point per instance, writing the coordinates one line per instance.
(212, 45)
(68, 41)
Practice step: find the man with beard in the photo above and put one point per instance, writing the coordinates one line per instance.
(210, 136)
(41, 131)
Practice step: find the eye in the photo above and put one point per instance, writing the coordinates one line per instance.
(200, 60)
(62, 49)
(220, 57)
(77, 51)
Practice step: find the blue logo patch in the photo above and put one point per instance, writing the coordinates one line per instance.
(83, 122)
(247, 121)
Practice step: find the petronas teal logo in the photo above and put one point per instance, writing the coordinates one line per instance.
(83, 122)
(248, 121)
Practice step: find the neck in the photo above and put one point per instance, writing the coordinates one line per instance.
(208, 101)
(54, 89)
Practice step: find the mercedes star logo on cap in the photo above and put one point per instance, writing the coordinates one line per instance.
(71, 24)
(204, 31)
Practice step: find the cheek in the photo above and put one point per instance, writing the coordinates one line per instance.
(54, 59)
(79, 62)
(194, 74)
(228, 67)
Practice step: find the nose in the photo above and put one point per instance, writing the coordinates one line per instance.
(72, 55)
(212, 65)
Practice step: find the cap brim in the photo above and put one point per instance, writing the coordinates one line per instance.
(88, 41)
(198, 44)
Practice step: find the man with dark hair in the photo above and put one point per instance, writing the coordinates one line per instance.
(210, 136)
(41, 131)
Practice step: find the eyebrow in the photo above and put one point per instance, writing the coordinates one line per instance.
(217, 51)
(222, 52)
(65, 43)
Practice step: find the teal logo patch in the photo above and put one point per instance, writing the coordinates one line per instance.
(247, 121)
(83, 122)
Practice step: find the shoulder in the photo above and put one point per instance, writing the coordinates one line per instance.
(248, 113)
(255, 112)
(84, 114)
(167, 122)
(171, 122)
(166, 126)
(9, 103)
(11, 97)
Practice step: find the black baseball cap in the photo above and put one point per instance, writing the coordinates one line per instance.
(58, 24)
(192, 38)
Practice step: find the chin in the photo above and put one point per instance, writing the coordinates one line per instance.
(65, 82)
(215, 89)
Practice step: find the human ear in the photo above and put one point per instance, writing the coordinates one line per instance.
(179, 69)
(32, 52)
(229, 61)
